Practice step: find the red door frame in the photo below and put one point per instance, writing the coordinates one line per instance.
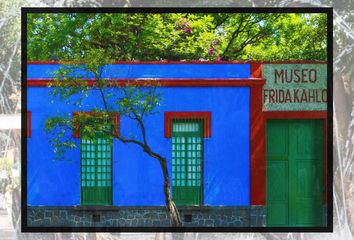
(258, 152)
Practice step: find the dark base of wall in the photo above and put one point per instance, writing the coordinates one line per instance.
(258, 216)
(205, 216)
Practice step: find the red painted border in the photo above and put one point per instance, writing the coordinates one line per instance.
(257, 148)
(177, 82)
(169, 116)
(149, 62)
(197, 62)
(113, 115)
(29, 132)
(256, 70)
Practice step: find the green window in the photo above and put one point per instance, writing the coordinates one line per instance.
(187, 157)
(96, 171)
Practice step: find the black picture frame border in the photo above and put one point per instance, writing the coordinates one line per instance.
(29, 10)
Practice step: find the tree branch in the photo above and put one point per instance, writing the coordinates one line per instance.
(234, 36)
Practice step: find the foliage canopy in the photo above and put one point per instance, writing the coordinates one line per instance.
(178, 36)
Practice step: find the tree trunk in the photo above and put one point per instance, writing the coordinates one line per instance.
(172, 210)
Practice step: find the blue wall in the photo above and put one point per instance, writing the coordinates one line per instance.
(137, 178)
(152, 71)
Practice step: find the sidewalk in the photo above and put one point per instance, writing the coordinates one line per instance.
(6, 230)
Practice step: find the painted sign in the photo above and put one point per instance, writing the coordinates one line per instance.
(295, 87)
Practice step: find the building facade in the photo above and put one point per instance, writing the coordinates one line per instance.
(245, 144)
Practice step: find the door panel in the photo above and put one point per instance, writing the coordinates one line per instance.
(187, 195)
(307, 172)
(294, 187)
(277, 144)
(278, 193)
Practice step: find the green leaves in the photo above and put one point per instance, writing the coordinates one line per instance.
(176, 36)
(137, 101)
(58, 130)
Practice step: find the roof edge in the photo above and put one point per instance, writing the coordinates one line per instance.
(197, 62)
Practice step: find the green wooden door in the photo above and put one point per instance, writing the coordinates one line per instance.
(295, 156)
(187, 155)
(96, 171)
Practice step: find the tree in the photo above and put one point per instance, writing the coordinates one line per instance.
(178, 36)
(136, 101)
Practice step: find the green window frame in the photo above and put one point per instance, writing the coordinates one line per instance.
(96, 171)
(187, 161)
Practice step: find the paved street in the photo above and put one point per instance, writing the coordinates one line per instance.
(6, 230)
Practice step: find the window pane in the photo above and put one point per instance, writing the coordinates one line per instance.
(185, 127)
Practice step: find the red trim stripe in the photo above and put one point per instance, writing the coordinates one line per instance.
(256, 70)
(197, 62)
(169, 116)
(167, 82)
(257, 148)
